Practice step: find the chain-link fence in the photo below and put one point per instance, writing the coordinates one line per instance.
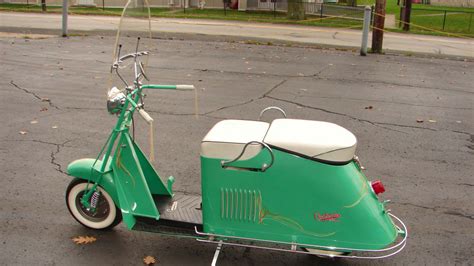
(311, 8)
(443, 20)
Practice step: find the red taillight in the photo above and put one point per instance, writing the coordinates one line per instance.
(377, 186)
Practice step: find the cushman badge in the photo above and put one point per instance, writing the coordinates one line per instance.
(327, 217)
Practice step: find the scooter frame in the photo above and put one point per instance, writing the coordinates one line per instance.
(132, 103)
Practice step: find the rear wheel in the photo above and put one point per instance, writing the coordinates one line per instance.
(106, 214)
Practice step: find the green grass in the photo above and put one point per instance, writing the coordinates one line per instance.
(250, 16)
(455, 22)
(432, 18)
(427, 19)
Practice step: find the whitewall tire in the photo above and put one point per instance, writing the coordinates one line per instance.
(106, 216)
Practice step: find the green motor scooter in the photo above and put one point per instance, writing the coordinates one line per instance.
(289, 185)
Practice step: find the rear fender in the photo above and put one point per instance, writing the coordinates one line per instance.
(82, 169)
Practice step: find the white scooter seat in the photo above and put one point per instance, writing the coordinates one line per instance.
(320, 140)
(227, 139)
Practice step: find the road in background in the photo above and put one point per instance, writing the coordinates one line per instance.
(408, 43)
(53, 90)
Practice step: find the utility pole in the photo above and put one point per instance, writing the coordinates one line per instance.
(379, 24)
(406, 15)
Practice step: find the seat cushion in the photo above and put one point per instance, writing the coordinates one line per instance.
(316, 139)
(228, 137)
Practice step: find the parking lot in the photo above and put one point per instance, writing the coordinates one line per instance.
(413, 118)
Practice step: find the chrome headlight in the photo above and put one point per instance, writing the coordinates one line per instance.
(115, 101)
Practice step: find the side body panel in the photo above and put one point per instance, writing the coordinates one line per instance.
(295, 200)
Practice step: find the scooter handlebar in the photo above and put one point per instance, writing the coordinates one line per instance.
(145, 116)
(185, 87)
(168, 87)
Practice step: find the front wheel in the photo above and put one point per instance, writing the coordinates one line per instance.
(106, 214)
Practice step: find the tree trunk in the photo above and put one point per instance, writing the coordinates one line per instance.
(352, 2)
(296, 10)
(43, 5)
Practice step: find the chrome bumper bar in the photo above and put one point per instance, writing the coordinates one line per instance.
(377, 253)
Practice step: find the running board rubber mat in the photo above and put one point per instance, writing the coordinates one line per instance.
(181, 212)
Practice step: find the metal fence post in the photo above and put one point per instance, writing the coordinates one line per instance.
(365, 30)
(470, 22)
(274, 8)
(65, 7)
(225, 7)
(444, 20)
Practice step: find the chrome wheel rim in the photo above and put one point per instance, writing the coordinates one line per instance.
(101, 211)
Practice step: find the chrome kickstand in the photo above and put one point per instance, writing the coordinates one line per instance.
(216, 254)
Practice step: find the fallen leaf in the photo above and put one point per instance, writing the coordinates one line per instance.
(149, 260)
(83, 240)
(23, 132)
(419, 120)
(45, 100)
(369, 107)
(34, 122)
(459, 122)
(54, 127)
(432, 121)
(43, 109)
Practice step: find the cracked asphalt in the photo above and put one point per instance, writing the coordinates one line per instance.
(53, 91)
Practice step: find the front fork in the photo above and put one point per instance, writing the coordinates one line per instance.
(90, 199)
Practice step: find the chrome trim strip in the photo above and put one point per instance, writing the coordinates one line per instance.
(264, 167)
(395, 248)
(255, 207)
(245, 208)
(222, 203)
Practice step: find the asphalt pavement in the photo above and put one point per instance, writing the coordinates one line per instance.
(226, 30)
(413, 118)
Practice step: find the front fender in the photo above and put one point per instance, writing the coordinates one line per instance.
(82, 169)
